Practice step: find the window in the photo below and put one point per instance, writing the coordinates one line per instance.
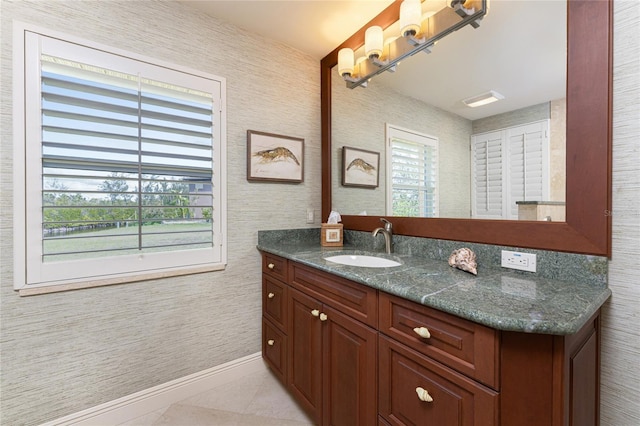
(123, 163)
(412, 178)
(487, 192)
(509, 165)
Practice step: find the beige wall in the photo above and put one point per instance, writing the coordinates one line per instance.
(65, 352)
(512, 118)
(620, 390)
(358, 119)
(558, 150)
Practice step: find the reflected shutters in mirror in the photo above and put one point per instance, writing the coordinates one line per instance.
(510, 166)
(486, 175)
(528, 165)
(412, 162)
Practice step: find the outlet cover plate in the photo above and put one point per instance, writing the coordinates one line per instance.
(518, 260)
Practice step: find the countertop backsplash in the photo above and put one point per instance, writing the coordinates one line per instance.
(560, 298)
(550, 264)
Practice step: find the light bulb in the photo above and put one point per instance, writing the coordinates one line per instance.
(345, 61)
(410, 17)
(373, 42)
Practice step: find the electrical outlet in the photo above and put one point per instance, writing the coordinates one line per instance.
(310, 218)
(517, 260)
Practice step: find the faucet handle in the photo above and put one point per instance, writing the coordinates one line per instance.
(387, 225)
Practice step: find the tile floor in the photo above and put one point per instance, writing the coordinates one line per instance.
(255, 399)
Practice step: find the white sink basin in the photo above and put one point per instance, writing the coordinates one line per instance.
(363, 260)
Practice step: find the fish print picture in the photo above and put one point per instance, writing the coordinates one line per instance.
(272, 157)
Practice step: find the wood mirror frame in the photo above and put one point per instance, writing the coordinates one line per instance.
(587, 229)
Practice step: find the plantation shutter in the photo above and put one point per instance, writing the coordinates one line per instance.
(487, 175)
(413, 172)
(508, 166)
(122, 150)
(528, 165)
(125, 165)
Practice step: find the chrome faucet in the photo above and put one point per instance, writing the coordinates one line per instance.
(387, 231)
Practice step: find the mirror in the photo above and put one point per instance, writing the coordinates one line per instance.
(588, 123)
(414, 98)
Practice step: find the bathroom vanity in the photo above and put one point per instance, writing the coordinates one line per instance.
(354, 347)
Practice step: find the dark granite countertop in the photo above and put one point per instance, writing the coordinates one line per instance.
(496, 297)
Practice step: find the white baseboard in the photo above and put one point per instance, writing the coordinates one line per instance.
(152, 399)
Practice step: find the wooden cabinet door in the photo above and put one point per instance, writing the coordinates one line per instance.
(274, 301)
(349, 371)
(274, 349)
(451, 400)
(305, 353)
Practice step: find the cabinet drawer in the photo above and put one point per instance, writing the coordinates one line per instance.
(465, 346)
(455, 399)
(274, 350)
(275, 266)
(350, 298)
(275, 301)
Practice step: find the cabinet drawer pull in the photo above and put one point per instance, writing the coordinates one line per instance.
(271, 266)
(423, 395)
(315, 312)
(270, 342)
(323, 317)
(422, 332)
(271, 295)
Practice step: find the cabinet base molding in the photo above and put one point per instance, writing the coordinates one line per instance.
(140, 403)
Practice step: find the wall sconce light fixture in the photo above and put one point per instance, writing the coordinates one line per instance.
(416, 34)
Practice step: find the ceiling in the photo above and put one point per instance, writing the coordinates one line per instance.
(315, 27)
(519, 50)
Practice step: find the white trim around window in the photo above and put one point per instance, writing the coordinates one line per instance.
(152, 178)
(412, 173)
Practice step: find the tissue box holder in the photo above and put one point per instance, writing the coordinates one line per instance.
(331, 235)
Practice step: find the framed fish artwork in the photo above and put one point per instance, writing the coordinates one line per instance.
(272, 157)
(360, 167)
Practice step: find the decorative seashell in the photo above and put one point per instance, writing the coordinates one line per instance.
(464, 259)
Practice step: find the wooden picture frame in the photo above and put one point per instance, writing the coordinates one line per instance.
(275, 158)
(360, 168)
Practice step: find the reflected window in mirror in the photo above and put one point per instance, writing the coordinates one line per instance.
(412, 162)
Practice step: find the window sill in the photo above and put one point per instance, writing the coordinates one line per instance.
(45, 289)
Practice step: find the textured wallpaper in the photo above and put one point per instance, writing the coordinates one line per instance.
(65, 352)
(620, 378)
(358, 120)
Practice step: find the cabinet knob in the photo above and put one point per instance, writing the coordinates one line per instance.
(315, 312)
(423, 395)
(422, 332)
(270, 342)
(271, 295)
(271, 266)
(323, 317)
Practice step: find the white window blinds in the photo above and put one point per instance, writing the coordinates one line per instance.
(509, 165)
(528, 165)
(412, 172)
(124, 164)
(487, 175)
